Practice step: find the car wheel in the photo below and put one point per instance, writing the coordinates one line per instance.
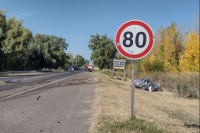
(143, 87)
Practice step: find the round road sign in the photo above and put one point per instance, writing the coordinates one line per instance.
(134, 39)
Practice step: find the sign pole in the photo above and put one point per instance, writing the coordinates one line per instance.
(112, 72)
(134, 40)
(124, 75)
(113, 69)
(124, 71)
(132, 89)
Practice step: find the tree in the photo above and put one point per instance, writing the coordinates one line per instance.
(190, 59)
(2, 38)
(19, 50)
(57, 48)
(87, 62)
(172, 48)
(103, 49)
(79, 60)
(15, 45)
(70, 59)
(167, 49)
(47, 52)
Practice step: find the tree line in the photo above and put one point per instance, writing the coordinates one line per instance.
(20, 50)
(174, 51)
(78, 61)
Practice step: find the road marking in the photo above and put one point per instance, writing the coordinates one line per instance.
(17, 94)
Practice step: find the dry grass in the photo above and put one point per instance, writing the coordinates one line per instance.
(112, 104)
(182, 84)
(131, 125)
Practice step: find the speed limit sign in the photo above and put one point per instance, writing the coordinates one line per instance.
(134, 39)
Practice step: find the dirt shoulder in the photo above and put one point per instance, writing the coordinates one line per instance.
(112, 103)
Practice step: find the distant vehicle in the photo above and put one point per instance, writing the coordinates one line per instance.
(69, 68)
(75, 67)
(89, 68)
(146, 84)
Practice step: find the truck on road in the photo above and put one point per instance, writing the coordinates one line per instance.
(89, 68)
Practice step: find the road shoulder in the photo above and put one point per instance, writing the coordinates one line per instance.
(112, 103)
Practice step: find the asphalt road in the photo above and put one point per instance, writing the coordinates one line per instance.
(63, 107)
(33, 79)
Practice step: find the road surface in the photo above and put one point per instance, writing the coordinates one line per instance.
(62, 107)
(29, 79)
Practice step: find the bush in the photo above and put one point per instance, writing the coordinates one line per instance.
(184, 90)
(153, 66)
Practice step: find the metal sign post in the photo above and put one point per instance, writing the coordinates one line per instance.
(124, 71)
(132, 89)
(113, 70)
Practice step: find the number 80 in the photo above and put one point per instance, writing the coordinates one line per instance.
(136, 39)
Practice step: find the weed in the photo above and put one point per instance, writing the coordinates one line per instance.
(184, 90)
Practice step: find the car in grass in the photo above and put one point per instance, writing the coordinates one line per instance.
(146, 84)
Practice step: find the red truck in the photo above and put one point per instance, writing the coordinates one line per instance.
(89, 68)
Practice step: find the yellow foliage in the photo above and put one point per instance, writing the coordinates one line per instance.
(152, 58)
(128, 66)
(169, 53)
(143, 65)
(172, 48)
(190, 60)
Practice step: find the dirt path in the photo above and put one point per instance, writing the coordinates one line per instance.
(112, 103)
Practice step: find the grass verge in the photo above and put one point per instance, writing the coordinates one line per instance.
(181, 84)
(131, 125)
(112, 109)
(188, 119)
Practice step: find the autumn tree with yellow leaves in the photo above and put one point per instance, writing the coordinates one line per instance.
(171, 53)
(172, 48)
(166, 52)
(189, 61)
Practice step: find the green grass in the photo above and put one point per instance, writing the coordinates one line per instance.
(131, 125)
(188, 119)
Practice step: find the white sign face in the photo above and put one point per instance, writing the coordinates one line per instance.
(134, 39)
(132, 46)
(119, 64)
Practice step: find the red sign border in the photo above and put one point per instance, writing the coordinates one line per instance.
(149, 47)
